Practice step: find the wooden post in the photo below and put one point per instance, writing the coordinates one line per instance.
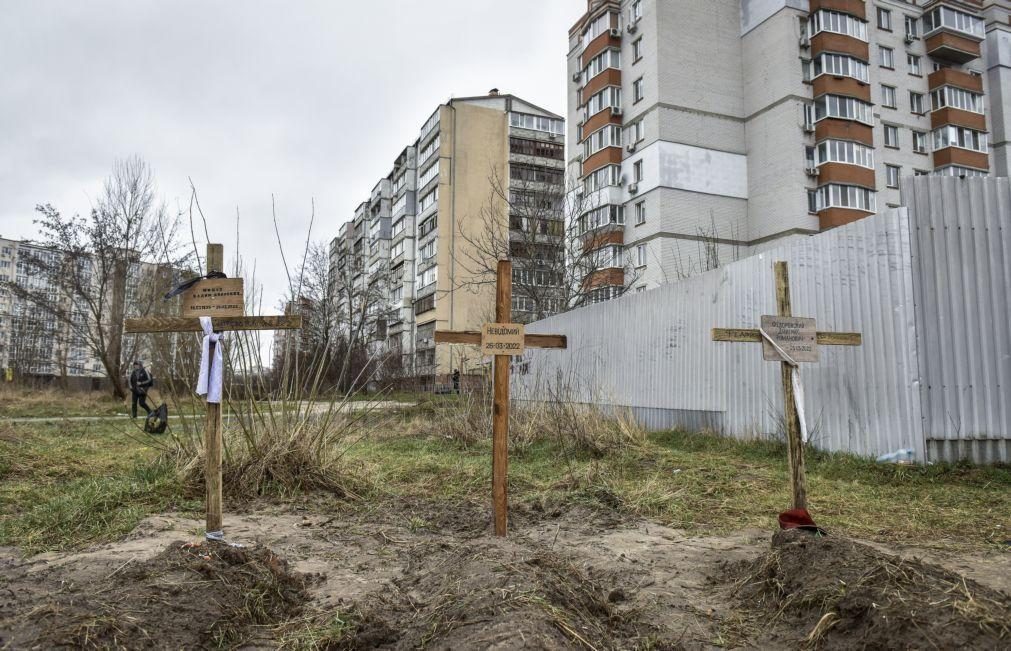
(500, 409)
(794, 443)
(212, 439)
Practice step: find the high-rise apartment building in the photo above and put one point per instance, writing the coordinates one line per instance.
(411, 253)
(706, 129)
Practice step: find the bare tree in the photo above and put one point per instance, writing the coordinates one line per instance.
(564, 249)
(89, 271)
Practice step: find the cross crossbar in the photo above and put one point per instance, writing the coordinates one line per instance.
(744, 335)
(474, 337)
(183, 324)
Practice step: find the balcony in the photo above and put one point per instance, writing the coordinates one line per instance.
(856, 8)
(846, 174)
(956, 48)
(605, 278)
(957, 78)
(961, 157)
(958, 117)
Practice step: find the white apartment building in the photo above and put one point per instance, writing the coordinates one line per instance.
(703, 130)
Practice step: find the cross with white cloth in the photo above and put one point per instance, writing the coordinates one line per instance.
(212, 364)
(790, 340)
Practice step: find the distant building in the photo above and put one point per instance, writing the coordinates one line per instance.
(407, 255)
(707, 129)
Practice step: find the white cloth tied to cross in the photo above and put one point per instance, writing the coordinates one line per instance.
(212, 372)
(798, 388)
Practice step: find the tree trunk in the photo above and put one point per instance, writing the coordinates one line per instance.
(113, 360)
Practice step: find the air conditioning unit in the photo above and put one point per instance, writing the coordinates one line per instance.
(576, 76)
(615, 33)
(632, 27)
(811, 170)
(805, 42)
(630, 147)
(616, 111)
(910, 38)
(808, 128)
(633, 187)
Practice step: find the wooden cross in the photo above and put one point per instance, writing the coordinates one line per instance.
(212, 437)
(510, 338)
(798, 338)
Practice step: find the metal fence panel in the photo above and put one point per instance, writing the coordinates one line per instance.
(961, 247)
(652, 351)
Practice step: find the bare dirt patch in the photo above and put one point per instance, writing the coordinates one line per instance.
(413, 574)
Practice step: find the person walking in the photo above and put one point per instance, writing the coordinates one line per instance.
(140, 382)
(456, 381)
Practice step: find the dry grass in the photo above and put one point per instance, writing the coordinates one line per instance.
(26, 402)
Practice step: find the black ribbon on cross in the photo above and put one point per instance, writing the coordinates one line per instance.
(193, 281)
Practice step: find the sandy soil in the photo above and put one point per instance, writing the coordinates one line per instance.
(411, 575)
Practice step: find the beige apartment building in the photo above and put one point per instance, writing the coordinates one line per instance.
(704, 130)
(472, 160)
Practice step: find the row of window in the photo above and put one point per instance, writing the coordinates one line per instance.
(527, 304)
(838, 106)
(601, 62)
(429, 149)
(840, 65)
(835, 195)
(426, 278)
(606, 176)
(836, 22)
(949, 96)
(542, 149)
(427, 201)
(600, 216)
(841, 151)
(428, 175)
(952, 136)
(609, 136)
(428, 226)
(889, 100)
(535, 174)
(537, 277)
(959, 21)
(609, 97)
(537, 123)
(885, 22)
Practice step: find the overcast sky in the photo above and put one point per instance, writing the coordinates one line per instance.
(302, 99)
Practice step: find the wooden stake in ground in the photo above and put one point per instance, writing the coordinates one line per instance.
(799, 340)
(501, 340)
(221, 299)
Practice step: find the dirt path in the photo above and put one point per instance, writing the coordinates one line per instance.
(410, 575)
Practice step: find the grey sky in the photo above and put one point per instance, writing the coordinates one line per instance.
(299, 99)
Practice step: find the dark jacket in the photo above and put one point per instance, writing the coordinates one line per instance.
(140, 380)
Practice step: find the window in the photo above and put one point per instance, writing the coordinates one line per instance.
(920, 172)
(847, 108)
(637, 49)
(540, 148)
(892, 175)
(888, 96)
(428, 249)
(636, 132)
(840, 65)
(428, 226)
(844, 151)
(913, 62)
(637, 90)
(535, 174)
(835, 195)
(601, 216)
(600, 25)
(427, 277)
(636, 10)
(886, 57)
(609, 136)
(637, 170)
(812, 201)
(606, 176)
(609, 97)
(884, 19)
(911, 28)
(397, 249)
(952, 136)
(537, 123)
(920, 142)
(891, 136)
(949, 96)
(839, 23)
(601, 62)
(428, 151)
(916, 103)
(428, 175)
(640, 255)
(640, 213)
(958, 170)
(428, 200)
(953, 19)
(640, 289)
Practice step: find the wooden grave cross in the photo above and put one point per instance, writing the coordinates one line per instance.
(501, 339)
(799, 339)
(222, 300)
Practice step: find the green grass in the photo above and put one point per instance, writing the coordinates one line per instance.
(67, 485)
(706, 484)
